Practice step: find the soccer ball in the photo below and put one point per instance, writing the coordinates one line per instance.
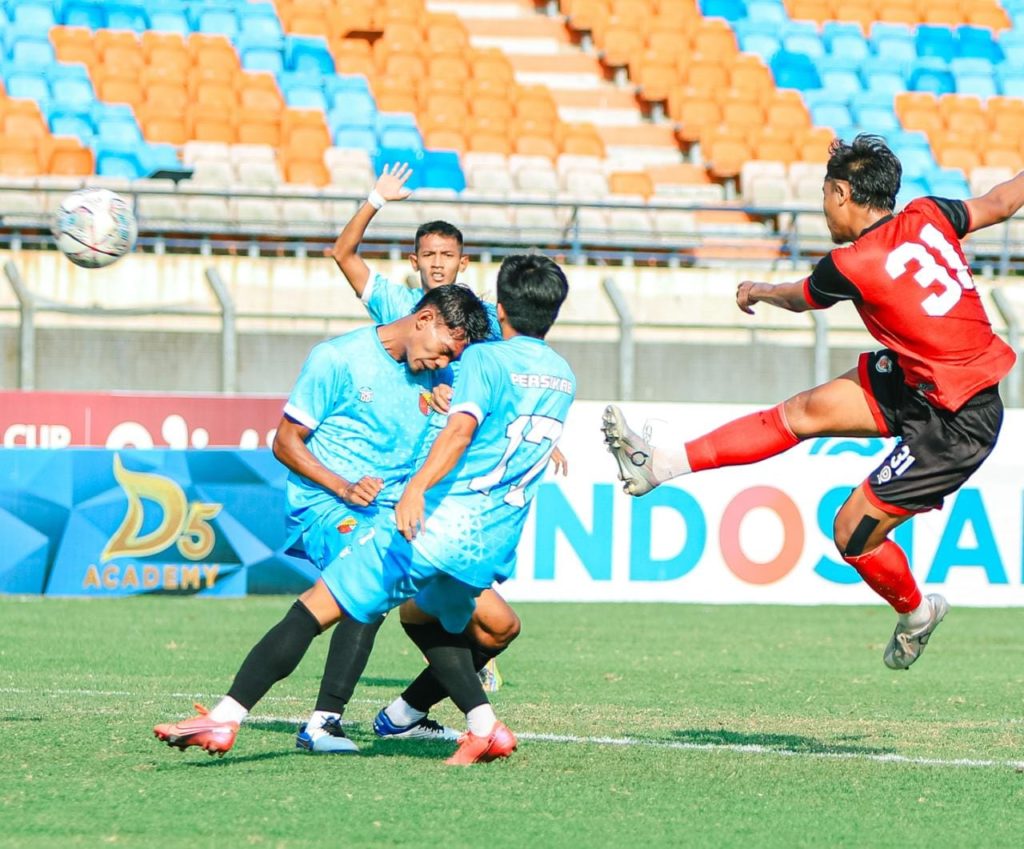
(95, 227)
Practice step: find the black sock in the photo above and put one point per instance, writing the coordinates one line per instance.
(451, 662)
(275, 656)
(350, 648)
(426, 691)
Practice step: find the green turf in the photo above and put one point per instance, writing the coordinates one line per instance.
(82, 682)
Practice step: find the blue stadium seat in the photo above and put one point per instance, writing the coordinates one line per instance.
(158, 157)
(877, 117)
(807, 43)
(118, 129)
(948, 183)
(832, 115)
(917, 162)
(259, 19)
(83, 13)
(909, 140)
(355, 109)
(70, 86)
(168, 16)
(31, 53)
(398, 130)
(119, 159)
(839, 74)
(441, 170)
(347, 84)
(974, 76)
(759, 37)
(72, 122)
(911, 190)
(771, 11)
(731, 10)
(127, 14)
(308, 55)
(1011, 43)
(30, 84)
(935, 40)
(931, 74)
(391, 156)
(304, 93)
(1010, 80)
(893, 43)
(883, 80)
(852, 45)
(794, 70)
(356, 138)
(263, 59)
(32, 15)
(977, 43)
(217, 20)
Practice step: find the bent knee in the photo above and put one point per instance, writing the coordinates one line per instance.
(493, 634)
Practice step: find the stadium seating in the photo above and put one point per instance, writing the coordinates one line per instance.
(319, 94)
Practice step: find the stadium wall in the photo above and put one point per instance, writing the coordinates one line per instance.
(128, 519)
(153, 323)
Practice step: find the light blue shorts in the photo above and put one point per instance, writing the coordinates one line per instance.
(378, 569)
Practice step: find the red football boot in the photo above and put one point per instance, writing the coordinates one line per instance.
(500, 743)
(216, 737)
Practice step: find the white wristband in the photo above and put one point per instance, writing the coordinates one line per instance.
(375, 199)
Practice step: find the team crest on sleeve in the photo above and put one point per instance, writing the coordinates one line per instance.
(426, 399)
(366, 394)
(883, 365)
(347, 525)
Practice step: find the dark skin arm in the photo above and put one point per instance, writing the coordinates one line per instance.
(445, 453)
(291, 450)
(997, 204)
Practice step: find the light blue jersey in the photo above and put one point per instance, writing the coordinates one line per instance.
(519, 391)
(367, 415)
(386, 302)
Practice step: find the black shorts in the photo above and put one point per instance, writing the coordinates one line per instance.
(938, 450)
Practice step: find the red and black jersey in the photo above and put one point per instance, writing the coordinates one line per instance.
(908, 279)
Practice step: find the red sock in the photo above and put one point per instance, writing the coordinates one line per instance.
(885, 569)
(745, 440)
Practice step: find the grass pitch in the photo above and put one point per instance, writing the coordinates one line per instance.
(640, 725)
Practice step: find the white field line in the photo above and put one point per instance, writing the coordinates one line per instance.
(736, 748)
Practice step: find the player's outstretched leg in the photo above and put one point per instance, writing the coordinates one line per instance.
(213, 736)
(631, 451)
(909, 638)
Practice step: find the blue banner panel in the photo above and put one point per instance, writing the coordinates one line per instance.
(92, 522)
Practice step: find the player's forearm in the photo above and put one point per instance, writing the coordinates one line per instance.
(346, 248)
(999, 203)
(786, 296)
(296, 457)
(444, 456)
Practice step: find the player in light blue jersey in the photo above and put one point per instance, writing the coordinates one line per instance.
(438, 258)
(350, 430)
(456, 527)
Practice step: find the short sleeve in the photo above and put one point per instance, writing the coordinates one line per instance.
(322, 382)
(474, 385)
(955, 211)
(386, 301)
(827, 285)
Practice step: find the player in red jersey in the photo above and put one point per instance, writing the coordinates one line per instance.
(935, 385)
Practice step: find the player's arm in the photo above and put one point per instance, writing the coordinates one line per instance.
(291, 450)
(787, 296)
(445, 454)
(389, 186)
(997, 204)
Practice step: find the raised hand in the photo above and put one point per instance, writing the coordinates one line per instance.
(391, 182)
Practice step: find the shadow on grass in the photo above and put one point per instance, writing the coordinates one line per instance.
(369, 745)
(778, 742)
(391, 683)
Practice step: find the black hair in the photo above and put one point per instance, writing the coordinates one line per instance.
(460, 309)
(438, 228)
(531, 290)
(870, 167)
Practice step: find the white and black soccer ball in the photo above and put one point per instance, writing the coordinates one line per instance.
(95, 227)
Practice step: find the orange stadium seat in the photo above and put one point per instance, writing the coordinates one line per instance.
(308, 172)
(535, 145)
(714, 37)
(813, 144)
(409, 11)
(654, 76)
(399, 38)
(743, 114)
(582, 15)
(619, 43)
(120, 90)
(446, 34)
(693, 112)
(441, 138)
(818, 11)
(159, 126)
(74, 44)
(17, 162)
(488, 141)
(68, 158)
(349, 16)
(631, 183)
(209, 123)
(707, 75)
(168, 97)
(448, 67)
